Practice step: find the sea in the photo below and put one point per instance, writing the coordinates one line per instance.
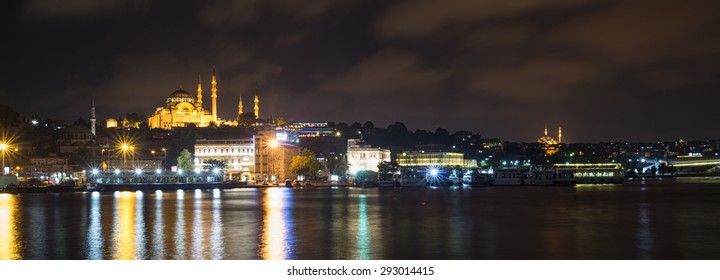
(653, 218)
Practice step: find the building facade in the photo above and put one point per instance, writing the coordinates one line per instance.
(255, 159)
(364, 157)
(237, 154)
(434, 158)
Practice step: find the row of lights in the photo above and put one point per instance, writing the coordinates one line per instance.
(158, 171)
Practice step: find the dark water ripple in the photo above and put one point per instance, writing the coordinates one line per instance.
(643, 219)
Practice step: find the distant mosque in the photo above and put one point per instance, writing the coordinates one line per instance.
(550, 145)
(547, 140)
(181, 109)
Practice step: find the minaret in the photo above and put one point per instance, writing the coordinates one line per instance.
(214, 96)
(257, 107)
(546, 130)
(559, 134)
(240, 108)
(199, 96)
(92, 115)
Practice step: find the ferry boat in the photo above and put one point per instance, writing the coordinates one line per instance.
(594, 173)
(548, 176)
(507, 177)
(477, 178)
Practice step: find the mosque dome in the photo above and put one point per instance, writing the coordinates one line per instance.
(76, 131)
(180, 93)
(180, 96)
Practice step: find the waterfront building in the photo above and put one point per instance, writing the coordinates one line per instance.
(364, 157)
(424, 158)
(256, 158)
(237, 154)
(279, 159)
(43, 166)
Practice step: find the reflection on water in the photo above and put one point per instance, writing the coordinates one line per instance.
(216, 246)
(644, 232)
(140, 239)
(598, 222)
(277, 241)
(124, 227)
(157, 239)
(197, 229)
(8, 228)
(179, 238)
(363, 233)
(94, 232)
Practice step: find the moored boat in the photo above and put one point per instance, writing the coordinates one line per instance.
(507, 177)
(476, 178)
(594, 173)
(413, 178)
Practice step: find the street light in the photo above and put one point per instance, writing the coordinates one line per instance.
(3, 148)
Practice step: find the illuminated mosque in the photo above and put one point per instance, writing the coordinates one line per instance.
(550, 144)
(181, 109)
(547, 140)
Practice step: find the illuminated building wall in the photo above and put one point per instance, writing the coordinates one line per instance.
(273, 163)
(423, 158)
(111, 123)
(238, 154)
(364, 157)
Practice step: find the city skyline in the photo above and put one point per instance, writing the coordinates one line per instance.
(610, 71)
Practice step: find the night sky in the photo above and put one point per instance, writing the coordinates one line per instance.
(640, 70)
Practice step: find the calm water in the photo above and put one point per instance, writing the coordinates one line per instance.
(670, 219)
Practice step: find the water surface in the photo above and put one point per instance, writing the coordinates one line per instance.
(642, 219)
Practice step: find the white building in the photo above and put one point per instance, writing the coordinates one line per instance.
(237, 154)
(364, 157)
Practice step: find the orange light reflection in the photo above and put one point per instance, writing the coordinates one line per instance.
(8, 230)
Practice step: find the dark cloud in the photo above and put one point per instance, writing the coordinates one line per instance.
(386, 72)
(38, 9)
(420, 18)
(240, 12)
(605, 70)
